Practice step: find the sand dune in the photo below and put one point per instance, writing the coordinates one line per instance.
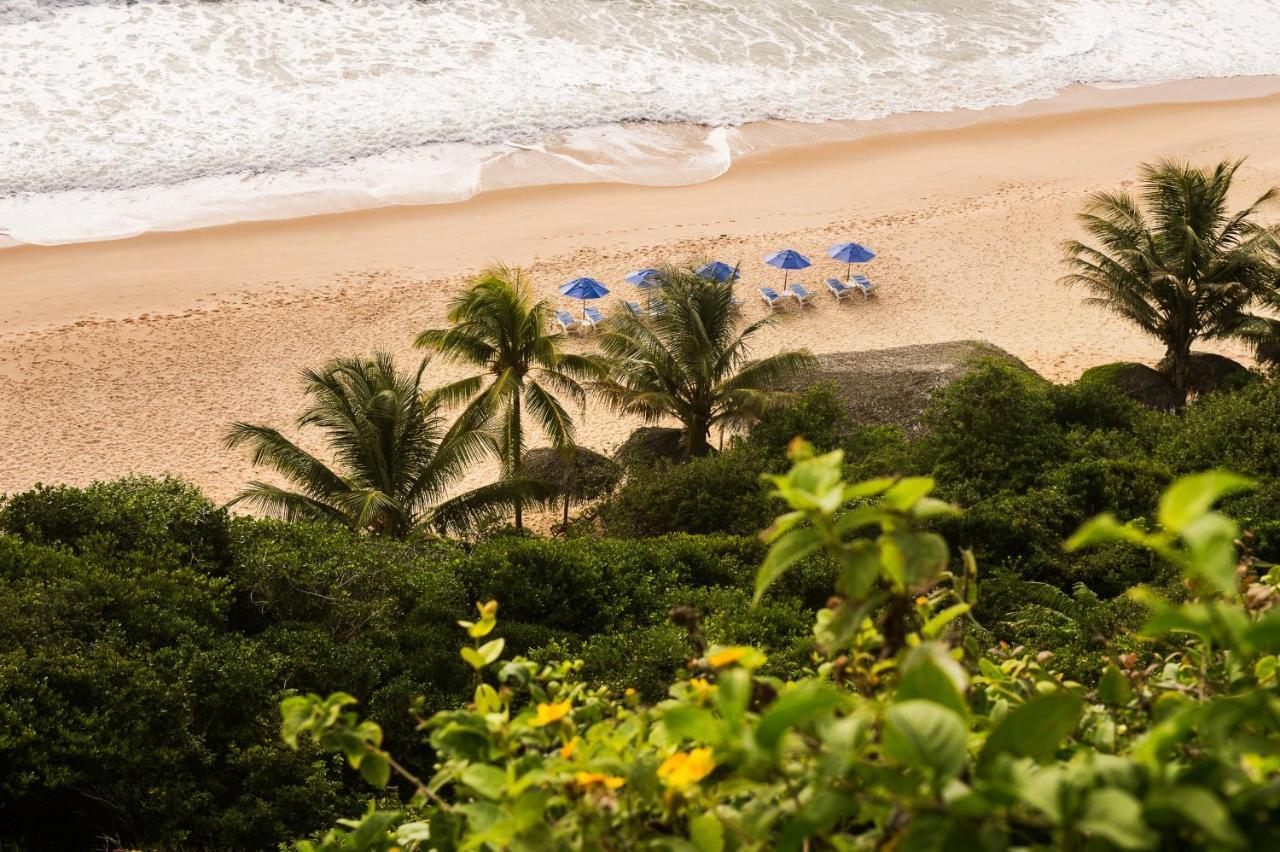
(133, 356)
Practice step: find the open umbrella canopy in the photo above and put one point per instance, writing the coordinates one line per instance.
(788, 259)
(584, 288)
(644, 278)
(851, 253)
(718, 271)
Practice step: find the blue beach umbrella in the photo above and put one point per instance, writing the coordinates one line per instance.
(646, 279)
(718, 271)
(584, 288)
(787, 260)
(851, 253)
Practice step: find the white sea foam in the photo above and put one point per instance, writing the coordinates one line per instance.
(118, 117)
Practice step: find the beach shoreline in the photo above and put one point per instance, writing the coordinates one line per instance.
(690, 154)
(134, 354)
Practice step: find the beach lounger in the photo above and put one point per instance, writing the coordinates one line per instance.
(634, 309)
(800, 293)
(771, 297)
(567, 323)
(839, 289)
(593, 318)
(658, 308)
(864, 284)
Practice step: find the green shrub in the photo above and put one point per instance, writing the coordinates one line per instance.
(1093, 405)
(161, 517)
(993, 430)
(716, 494)
(589, 586)
(1229, 430)
(818, 416)
(128, 710)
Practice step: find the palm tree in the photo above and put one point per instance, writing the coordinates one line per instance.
(395, 456)
(1174, 261)
(499, 328)
(691, 363)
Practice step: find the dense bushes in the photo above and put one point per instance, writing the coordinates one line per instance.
(145, 640)
(904, 735)
(145, 636)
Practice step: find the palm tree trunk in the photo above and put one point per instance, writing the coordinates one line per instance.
(697, 441)
(1179, 359)
(516, 450)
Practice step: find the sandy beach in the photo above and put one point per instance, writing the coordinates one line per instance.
(134, 355)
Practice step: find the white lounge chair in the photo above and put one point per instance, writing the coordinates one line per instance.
(633, 308)
(800, 293)
(567, 323)
(863, 283)
(839, 289)
(771, 297)
(592, 318)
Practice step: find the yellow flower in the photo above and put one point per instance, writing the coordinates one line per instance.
(488, 610)
(683, 769)
(702, 687)
(568, 749)
(587, 780)
(921, 600)
(549, 713)
(629, 691)
(727, 657)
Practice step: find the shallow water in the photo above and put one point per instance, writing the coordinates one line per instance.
(120, 117)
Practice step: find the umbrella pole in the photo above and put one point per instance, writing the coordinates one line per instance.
(785, 274)
(848, 273)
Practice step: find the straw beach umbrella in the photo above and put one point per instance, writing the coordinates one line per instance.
(787, 260)
(850, 253)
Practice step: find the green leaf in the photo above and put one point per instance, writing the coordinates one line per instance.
(791, 547)
(807, 701)
(1192, 496)
(1211, 538)
(706, 833)
(1115, 816)
(1199, 807)
(934, 626)
(492, 650)
(486, 780)
(914, 559)
(1035, 728)
(929, 674)
(472, 656)
(925, 735)
(908, 491)
(687, 722)
(375, 769)
(1105, 529)
(1114, 688)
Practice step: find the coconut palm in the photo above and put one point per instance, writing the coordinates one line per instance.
(691, 363)
(395, 456)
(500, 329)
(1174, 261)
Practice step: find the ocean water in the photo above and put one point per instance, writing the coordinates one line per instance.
(120, 117)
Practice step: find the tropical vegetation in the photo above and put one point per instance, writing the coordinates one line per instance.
(396, 455)
(819, 634)
(498, 328)
(692, 363)
(1178, 263)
